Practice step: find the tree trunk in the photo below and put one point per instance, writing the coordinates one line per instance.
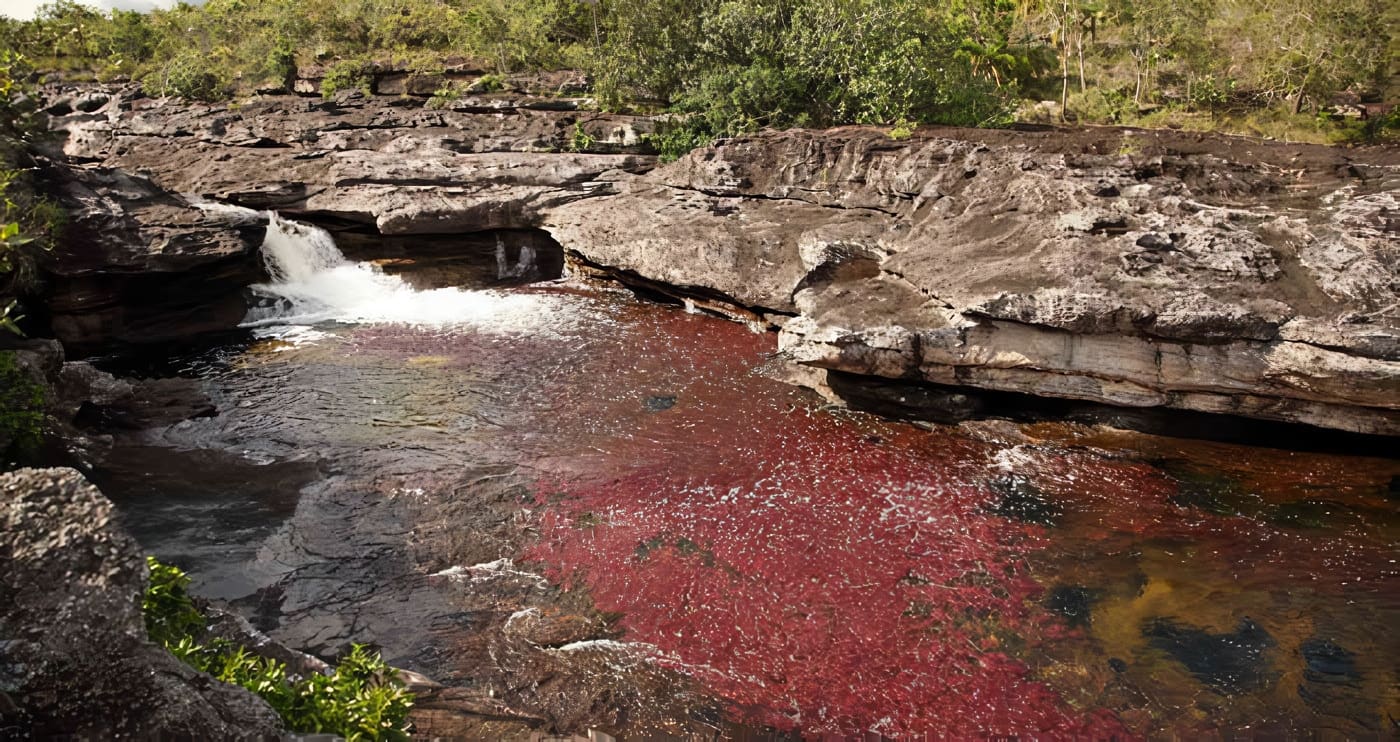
(1064, 81)
(1080, 43)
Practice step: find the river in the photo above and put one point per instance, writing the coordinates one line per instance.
(615, 514)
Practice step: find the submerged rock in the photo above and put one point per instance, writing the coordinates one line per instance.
(1231, 663)
(74, 656)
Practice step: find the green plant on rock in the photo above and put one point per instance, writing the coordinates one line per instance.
(170, 613)
(21, 410)
(363, 699)
(27, 221)
(580, 140)
(488, 83)
(676, 138)
(445, 96)
(348, 74)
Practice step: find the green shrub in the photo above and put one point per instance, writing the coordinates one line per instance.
(347, 74)
(580, 140)
(21, 410)
(190, 74)
(27, 221)
(676, 138)
(488, 83)
(170, 614)
(363, 699)
(444, 97)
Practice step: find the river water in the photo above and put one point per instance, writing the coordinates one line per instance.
(611, 514)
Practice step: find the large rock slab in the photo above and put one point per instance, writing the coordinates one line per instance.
(1144, 274)
(1145, 269)
(138, 265)
(75, 661)
(493, 162)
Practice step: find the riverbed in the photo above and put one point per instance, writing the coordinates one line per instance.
(614, 514)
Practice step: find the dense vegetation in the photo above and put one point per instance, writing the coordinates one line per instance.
(21, 411)
(363, 700)
(27, 221)
(1265, 66)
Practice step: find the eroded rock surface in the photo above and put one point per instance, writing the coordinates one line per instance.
(1141, 269)
(74, 657)
(138, 264)
(1140, 274)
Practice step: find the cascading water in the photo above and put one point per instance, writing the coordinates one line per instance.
(313, 282)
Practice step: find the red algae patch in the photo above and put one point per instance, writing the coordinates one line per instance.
(825, 573)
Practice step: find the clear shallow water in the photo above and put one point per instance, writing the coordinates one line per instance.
(599, 484)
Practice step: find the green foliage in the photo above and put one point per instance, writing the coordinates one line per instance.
(444, 97)
(580, 140)
(364, 699)
(27, 221)
(675, 138)
(488, 83)
(189, 74)
(21, 409)
(347, 74)
(170, 614)
(740, 65)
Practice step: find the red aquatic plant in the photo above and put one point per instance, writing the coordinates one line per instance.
(846, 585)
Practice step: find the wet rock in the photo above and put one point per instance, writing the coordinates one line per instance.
(1332, 682)
(1229, 664)
(1328, 662)
(904, 400)
(1023, 501)
(1182, 276)
(1074, 602)
(137, 265)
(660, 403)
(74, 656)
(1026, 279)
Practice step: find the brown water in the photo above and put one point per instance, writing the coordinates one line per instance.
(610, 514)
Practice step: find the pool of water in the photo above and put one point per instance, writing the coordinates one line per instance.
(613, 514)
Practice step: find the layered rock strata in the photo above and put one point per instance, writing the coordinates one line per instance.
(1141, 269)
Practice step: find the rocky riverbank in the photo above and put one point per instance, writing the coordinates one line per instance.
(1133, 268)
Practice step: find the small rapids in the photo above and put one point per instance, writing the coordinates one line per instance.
(313, 283)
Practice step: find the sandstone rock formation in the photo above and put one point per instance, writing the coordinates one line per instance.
(1143, 277)
(1143, 269)
(138, 264)
(75, 661)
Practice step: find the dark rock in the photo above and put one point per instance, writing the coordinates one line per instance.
(137, 265)
(1229, 664)
(1328, 662)
(74, 657)
(660, 403)
(1073, 602)
(1023, 501)
(904, 400)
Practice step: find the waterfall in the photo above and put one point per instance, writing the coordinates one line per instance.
(313, 282)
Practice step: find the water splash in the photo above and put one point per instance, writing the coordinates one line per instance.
(313, 283)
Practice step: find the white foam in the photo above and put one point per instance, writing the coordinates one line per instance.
(313, 283)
